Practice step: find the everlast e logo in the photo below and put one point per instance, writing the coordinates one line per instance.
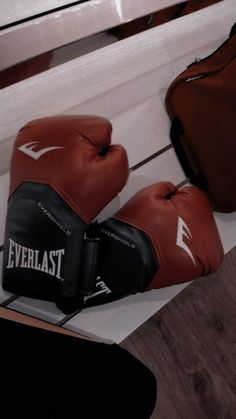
(48, 261)
(183, 231)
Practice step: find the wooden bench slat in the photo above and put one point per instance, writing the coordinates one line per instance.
(62, 27)
(13, 10)
(43, 310)
(226, 224)
(115, 78)
(108, 322)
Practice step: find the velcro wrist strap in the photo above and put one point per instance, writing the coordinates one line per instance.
(88, 270)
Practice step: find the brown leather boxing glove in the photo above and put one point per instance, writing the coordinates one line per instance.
(162, 236)
(64, 171)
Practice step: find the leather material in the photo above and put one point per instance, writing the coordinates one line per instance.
(64, 170)
(162, 236)
(181, 228)
(81, 163)
(126, 262)
(203, 98)
(43, 244)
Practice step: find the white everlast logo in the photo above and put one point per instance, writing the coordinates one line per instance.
(184, 231)
(48, 261)
(101, 288)
(28, 149)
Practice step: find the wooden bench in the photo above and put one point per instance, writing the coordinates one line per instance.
(126, 82)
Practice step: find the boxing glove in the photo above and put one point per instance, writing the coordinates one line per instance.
(162, 236)
(64, 170)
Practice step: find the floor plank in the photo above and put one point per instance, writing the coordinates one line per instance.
(190, 345)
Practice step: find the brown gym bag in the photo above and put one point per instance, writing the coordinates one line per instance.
(201, 103)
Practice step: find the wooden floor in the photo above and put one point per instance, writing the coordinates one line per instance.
(190, 345)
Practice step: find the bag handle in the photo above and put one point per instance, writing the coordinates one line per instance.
(176, 131)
